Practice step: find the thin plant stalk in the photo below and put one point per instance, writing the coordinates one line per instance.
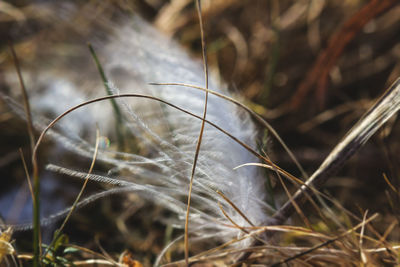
(383, 109)
(28, 178)
(324, 244)
(117, 112)
(36, 181)
(247, 147)
(196, 155)
(256, 116)
(373, 119)
(74, 205)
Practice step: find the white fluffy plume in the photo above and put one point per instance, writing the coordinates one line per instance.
(134, 56)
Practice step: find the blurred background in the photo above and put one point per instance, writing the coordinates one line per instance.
(310, 67)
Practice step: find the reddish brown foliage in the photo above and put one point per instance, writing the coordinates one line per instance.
(318, 74)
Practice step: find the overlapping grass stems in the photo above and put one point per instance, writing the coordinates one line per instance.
(374, 118)
(385, 107)
(34, 157)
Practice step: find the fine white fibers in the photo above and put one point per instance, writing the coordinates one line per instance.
(149, 57)
(134, 56)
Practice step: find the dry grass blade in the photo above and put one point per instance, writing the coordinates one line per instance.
(297, 183)
(206, 254)
(186, 237)
(374, 118)
(362, 224)
(37, 247)
(362, 254)
(235, 207)
(42, 135)
(24, 97)
(221, 251)
(77, 199)
(104, 98)
(28, 179)
(389, 183)
(231, 220)
(259, 50)
(273, 168)
(244, 230)
(259, 119)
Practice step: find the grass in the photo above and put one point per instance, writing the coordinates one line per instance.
(357, 224)
(117, 112)
(35, 190)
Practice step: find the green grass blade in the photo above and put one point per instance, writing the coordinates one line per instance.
(117, 112)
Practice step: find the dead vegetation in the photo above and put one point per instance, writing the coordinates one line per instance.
(312, 68)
